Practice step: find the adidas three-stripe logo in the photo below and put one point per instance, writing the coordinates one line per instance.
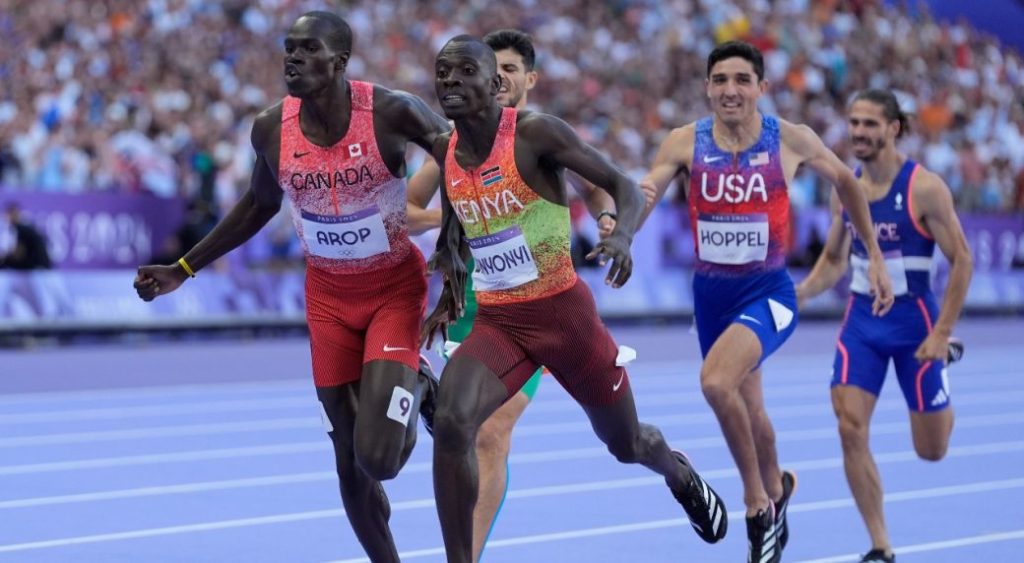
(714, 509)
(767, 545)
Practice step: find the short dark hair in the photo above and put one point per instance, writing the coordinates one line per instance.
(886, 99)
(517, 41)
(488, 57)
(339, 38)
(740, 49)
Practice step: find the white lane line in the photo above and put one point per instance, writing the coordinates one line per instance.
(164, 410)
(312, 422)
(175, 457)
(661, 372)
(930, 546)
(824, 432)
(903, 496)
(161, 391)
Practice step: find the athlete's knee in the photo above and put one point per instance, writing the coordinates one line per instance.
(378, 460)
(853, 431)
(716, 389)
(453, 431)
(931, 450)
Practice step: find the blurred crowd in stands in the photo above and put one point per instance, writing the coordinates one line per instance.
(158, 96)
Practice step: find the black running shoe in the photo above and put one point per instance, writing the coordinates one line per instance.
(429, 400)
(703, 506)
(762, 537)
(954, 350)
(788, 486)
(878, 556)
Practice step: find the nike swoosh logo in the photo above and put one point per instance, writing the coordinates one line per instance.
(749, 318)
(456, 182)
(394, 348)
(619, 383)
(710, 159)
(298, 154)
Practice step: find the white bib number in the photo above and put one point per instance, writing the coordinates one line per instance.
(732, 239)
(894, 263)
(346, 237)
(503, 260)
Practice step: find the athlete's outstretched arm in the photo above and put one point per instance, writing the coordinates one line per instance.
(257, 206)
(833, 261)
(421, 189)
(934, 208)
(801, 140)
(670, 160)
(553, 139)
(412, 116)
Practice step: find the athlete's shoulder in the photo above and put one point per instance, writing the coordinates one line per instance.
(685, 135)
(798, 137)
(397, 103)
(678, 144)
(266, 125)
(928, 184)
(539, 127)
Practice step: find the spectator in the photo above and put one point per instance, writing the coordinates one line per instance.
(29, 249)
(157, 96)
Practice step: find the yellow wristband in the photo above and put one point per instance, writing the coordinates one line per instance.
(184, 266)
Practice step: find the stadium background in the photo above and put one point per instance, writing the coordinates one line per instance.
(124, 130)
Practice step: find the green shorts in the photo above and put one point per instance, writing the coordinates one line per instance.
(460, 330)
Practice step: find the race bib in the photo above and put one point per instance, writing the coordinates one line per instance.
(503, 260)
(894, 263)
(346, 237)
(732, 239)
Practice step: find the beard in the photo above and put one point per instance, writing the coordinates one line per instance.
(876, 147)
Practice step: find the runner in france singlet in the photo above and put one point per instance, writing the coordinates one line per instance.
(907, 247)
(739, 204)
(347, 207)
(519, 240)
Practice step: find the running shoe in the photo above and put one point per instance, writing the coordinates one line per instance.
(954, 350)
(704, 508)
(878, 556)
(788, 486)
(762, 538)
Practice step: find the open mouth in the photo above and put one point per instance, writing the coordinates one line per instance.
(291, 72)
(453, 99)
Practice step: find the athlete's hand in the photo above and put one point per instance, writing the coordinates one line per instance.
(934, 348)
(605, 226)
(153, 281)
(650, 193)
(615, 248)
(448, 310)
(881, 286)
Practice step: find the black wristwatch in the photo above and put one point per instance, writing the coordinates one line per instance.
(608, 213)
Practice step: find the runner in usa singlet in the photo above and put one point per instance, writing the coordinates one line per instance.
(739, 213)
